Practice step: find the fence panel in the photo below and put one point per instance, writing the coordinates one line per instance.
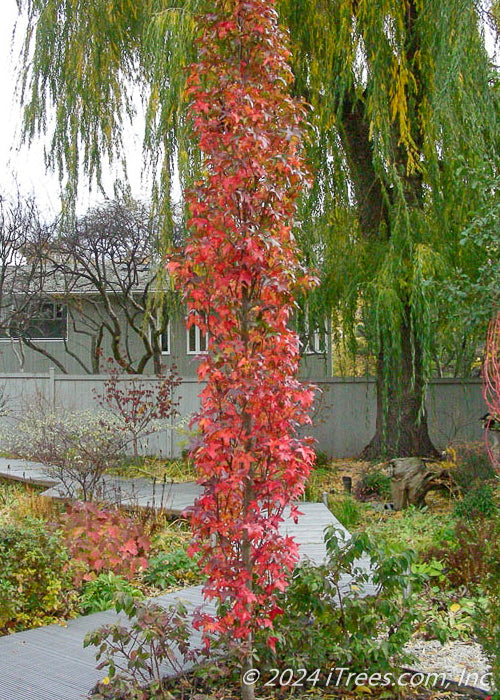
(344, 413)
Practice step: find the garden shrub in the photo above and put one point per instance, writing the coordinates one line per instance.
(104, 538)
(479, 501)
(487, 619)
(464, 554)
(168, 569)
(76, 447)
(102, 592)
(446, 612)
(35, 580)
(487, 628)
(321, 459)
(473, 466)
(470, 555)
(139, 407)
(134, 654)
(327, 620)
(373, 484)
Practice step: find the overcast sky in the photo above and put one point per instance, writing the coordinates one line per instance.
(24, 168)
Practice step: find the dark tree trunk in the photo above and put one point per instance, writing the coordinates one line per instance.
(401, 426)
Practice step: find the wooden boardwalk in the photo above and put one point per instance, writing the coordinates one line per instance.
(50, 663)
(174, 498)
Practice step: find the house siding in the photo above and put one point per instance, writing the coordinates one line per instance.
(80, 343)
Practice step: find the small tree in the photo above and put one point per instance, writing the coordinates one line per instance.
(140, 406)
(491, 388)
(238, 273)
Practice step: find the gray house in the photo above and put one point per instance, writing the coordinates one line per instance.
(73, 318)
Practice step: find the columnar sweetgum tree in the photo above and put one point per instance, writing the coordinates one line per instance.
(239, 275)
(491, 387)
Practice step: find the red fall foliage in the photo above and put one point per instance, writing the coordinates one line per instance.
(239, 274)
(491, 390)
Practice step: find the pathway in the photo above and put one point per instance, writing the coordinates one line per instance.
(174, 498)
(50, 663)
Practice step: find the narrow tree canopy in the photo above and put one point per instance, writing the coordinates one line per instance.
(239, 272)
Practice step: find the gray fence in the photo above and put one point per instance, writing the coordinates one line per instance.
(344, 414)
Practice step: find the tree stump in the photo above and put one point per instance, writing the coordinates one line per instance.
(412, 478)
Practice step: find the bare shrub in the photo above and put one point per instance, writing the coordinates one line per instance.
(76, 448)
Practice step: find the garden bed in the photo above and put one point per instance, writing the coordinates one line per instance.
(454, 562)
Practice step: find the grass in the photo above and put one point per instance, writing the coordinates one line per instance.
(412, 528)
(18, 501)
(177, 470)
(348, 511)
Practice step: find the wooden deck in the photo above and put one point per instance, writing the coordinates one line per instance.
(174, 498)
(50, 663)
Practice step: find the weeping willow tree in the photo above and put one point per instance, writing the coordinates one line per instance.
(87, 65)
(401, 100)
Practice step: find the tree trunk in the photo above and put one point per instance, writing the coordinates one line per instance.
(247, 688)
(401, 426)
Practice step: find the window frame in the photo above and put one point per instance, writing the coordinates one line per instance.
(198, 335)
(167, 335)
(59, 313)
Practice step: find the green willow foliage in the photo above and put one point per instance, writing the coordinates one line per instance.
(401, 99)
(413, 79)
(85, 64)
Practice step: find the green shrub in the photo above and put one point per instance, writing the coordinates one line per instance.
(470, 555)
(102, 593)
(478, 502)
(326, 621)
(134, 654)
(464, 554)
(487, 628)
(487, 619)
(321, 459)
(35, 581)
(168, 569)
(374, 484)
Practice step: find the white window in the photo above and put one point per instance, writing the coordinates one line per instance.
(165, 340)
(315, 343)
(312, 338)
(196, 341)
(164, 336)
